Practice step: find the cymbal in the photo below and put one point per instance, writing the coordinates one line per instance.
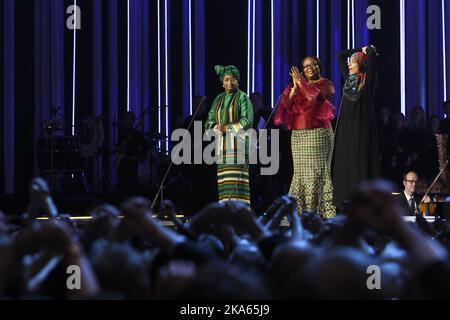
(52, 125)
(53, 129)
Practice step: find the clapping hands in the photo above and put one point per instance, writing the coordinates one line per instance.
(40, 199)
(295, 74)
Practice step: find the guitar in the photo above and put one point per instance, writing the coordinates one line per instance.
(120, 152)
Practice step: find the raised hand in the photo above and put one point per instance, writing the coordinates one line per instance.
(282, 210)
(53, 236)
(105, 211)
(243, 220)
(270, 211)
(136, 213)
(295, 74)
(364, 49)
(57, 237)
(213, 214)
(311, 221)
(105, 220)
(135, 207)
(40, 199)
(373, 206)
(293, 216)
(138, 221)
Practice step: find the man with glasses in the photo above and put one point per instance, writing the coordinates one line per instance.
(408, 198)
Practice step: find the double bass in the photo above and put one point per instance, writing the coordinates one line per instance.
(427, 205)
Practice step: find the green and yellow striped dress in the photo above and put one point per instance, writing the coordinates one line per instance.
(235, 110)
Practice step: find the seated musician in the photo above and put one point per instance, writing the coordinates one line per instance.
(131, 147)
(409, 198)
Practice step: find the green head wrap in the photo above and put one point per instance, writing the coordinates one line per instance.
(223, 71)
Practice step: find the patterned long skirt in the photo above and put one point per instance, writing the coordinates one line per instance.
(311, 185)
(233, 180)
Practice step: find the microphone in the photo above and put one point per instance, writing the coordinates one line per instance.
(202, 100)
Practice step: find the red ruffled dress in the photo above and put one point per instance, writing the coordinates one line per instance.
(310, 108)
(308, 114)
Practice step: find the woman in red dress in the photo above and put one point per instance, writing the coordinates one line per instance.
(306, 109)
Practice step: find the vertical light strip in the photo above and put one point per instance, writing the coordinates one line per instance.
(348, 24)
(159, 67)
(128, 55)
(166, 69)
(248, 43)
(353, 24)
(402, 58)
(317, 28)
(444, 59)
(253, 47)
(74, 62)
(271, 53)
(190, 56)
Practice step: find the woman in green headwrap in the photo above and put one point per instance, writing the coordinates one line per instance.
(230, 115)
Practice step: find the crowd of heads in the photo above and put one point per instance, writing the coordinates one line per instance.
(225, 251)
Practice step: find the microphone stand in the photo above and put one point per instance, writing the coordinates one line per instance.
(54, 112)
(160, 189)
(150, 159)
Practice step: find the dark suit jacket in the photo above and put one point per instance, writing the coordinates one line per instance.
(405, 204)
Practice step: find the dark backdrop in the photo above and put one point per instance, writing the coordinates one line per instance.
(43, 60)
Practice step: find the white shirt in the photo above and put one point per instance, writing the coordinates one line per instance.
(408, 197)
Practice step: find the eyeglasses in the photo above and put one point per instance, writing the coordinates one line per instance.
(411, 181)
(314, 65)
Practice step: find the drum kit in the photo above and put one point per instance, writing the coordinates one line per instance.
(149, 169)
(58, 157)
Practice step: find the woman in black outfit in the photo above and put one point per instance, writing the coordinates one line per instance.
(356, 156)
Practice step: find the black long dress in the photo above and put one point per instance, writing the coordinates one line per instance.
(356, 156)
